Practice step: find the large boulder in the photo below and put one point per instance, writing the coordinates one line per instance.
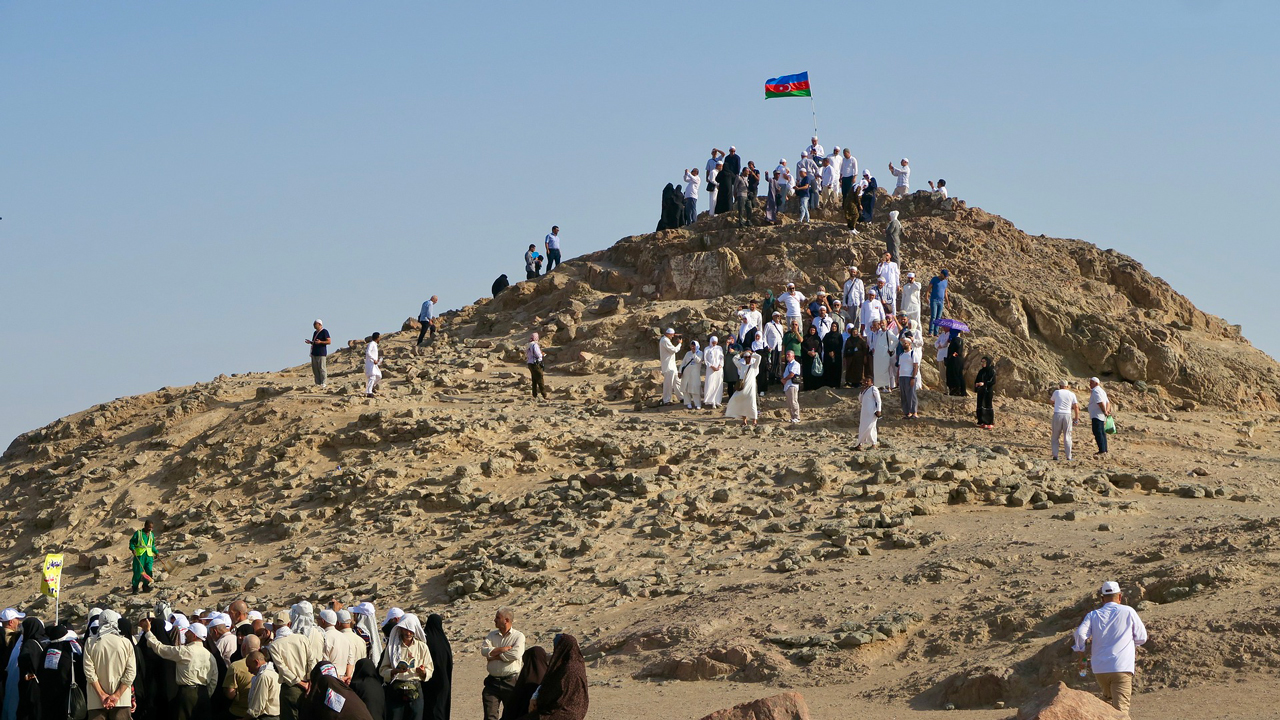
(1059, 702)
(700, 274)
(787, 706)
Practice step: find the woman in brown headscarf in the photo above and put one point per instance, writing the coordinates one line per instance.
(563, 694)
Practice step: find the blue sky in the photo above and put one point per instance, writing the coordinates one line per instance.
(185, 186)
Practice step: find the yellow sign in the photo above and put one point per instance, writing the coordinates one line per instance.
(51, 578)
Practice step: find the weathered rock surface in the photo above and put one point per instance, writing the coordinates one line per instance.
(1060, 702)
(787, 706)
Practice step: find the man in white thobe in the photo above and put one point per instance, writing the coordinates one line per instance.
(910, 303)
(870, 416)
(691, 377)
(712, 187)
(852, 294)
(668, 346)
(713, 387)
(872, 311)
(888, 269)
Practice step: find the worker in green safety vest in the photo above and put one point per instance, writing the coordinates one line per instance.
(143, 548)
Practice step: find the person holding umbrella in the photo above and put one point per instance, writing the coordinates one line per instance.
(955, 356)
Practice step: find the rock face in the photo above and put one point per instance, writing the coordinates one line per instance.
(1043, 308)
(1060, 702)
(787, 706)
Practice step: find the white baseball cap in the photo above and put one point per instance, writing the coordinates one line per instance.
(255, 615)
(1110, 587)
(11, 614)
(199, 631)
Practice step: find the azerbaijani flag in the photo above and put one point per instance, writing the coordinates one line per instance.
(788, 86)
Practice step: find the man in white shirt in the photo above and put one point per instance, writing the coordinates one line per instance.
(884, 294)
(848, 173)
(872, 310)
(773, 332)
(815, 149)
(822, 321)
(940, 189)
(904, 178)
(712, 189)
(668, 346)
(1099, 409)
(791, 385)
(552, 243)
(828, 182)
(503, 649)
(792, 300)
(751, 319)
(853, 293)
(691, 183)
(888, 269)
(1066, 413)
(908, 372)
(910, 303)
(1115, 631)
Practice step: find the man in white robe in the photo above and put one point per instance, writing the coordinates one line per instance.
(888, 269)
(941, 343)
(372, 373)
(691, 377)
(872, 311)
(871, 408)
(910, 303)
(668, 346)
(853, 294)
(713, 359)
(883, 342)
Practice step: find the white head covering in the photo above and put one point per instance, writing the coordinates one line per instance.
(344, 616)
(282, 632)
(866, 173)
(671, 331)
(200, 631)
(893, 215)
(302, 617)
(108, 623)
(906, 161)
(394, 646)
(318, 322)
(255, 615)
(713, 340)
(693, 345)
(367, 622)
(220, 619)
(394, 613)
(329, 616)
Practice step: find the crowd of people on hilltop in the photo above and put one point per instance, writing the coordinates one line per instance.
(869, 334)
(241, 664)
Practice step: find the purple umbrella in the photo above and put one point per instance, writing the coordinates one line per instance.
(951, 324)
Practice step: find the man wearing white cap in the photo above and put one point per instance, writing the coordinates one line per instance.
(784, 184)
(904, 178)
(1066, 413)
(668, 346)
(713, 190)
(1099, 410)
(319, 343)
(223, 638)
(1115, 630)
(110, 667)
(910, 303)
(872, 311)
(334, 648)
(792, 300)
(356, 650)
(713, 383)
(197, 674)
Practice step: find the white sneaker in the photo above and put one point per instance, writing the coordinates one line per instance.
(855, 231)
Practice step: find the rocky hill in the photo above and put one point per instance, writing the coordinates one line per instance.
(944, 567)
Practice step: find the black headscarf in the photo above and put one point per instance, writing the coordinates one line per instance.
(30, 660)
(366, 683)
(438, 689)
(531, 673)
(317, 705)
(55, 682)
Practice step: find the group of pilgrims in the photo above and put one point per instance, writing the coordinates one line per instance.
(868, 336)
(820, 180)
(239, 665)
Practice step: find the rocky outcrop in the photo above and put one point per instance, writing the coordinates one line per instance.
(1060, 702)
(787, 706)
(1043, 308)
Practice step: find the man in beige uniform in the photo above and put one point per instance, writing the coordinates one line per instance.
(197, 674)
(264, 690)
(109, 665)
(355, 644)
(223, 638)
(335, 648)
(236, 684)
(293, 657)
(503, 648)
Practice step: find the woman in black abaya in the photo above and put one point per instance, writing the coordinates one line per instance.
(832, 357)
(955, 365)
(985, 386)
(810, 351)
(437, 692)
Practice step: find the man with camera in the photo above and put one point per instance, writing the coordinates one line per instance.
(668, 347)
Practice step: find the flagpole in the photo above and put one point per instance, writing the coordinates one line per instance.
(815, 113)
